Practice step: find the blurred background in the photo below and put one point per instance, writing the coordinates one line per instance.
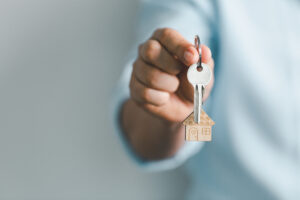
(59, 62)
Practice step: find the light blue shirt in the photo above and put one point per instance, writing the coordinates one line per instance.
(255, 103)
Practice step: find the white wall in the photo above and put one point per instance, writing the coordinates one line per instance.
(59, 60)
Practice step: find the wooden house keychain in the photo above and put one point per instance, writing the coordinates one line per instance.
(198, 125)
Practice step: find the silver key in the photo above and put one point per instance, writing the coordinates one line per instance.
(199, 79)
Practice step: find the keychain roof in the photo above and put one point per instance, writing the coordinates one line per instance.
(205, 120)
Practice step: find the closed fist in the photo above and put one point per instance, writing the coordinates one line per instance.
(158, 81)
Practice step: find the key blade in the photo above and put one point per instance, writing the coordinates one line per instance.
(197, 102)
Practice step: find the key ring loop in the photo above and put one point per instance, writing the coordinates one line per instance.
(197, 46)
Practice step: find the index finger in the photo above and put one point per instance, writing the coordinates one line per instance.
(177, 45)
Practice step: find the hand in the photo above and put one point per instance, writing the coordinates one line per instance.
(159, 83)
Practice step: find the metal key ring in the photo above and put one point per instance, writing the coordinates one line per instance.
(197, 46)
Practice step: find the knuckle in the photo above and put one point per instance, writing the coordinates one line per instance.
(151, 50)
(172, 84)
(145, 94)
(152, 78)
(165, 33)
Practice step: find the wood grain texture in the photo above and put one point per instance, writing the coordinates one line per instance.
(198, 132)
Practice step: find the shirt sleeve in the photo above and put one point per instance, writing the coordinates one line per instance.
(188, 18)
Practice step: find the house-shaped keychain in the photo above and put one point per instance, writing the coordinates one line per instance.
(198, 132)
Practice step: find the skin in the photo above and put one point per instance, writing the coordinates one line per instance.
(160, 95)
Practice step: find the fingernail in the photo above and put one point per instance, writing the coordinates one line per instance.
(188, 56)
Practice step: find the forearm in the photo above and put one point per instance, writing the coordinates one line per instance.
(152, 138)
